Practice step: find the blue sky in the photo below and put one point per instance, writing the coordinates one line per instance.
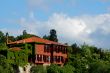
(75, 20)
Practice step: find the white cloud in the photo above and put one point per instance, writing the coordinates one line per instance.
(70, 29)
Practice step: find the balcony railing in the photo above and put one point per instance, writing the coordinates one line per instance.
(55, 48)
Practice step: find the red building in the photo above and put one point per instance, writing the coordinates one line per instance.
(45, 51)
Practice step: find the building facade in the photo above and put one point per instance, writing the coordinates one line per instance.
(42, 51)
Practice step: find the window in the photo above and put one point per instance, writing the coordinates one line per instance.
(66, 50)
(39, 57)
(54, 47)
(63, 49)
(60, 48)
(54, 58)
(49, 58)
(62, 59)
(46, 48)
(57, 49)
(44, 58)
(58, 59)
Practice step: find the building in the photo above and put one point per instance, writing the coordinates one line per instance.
(43, 52)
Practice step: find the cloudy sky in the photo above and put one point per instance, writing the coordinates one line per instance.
(74, 20)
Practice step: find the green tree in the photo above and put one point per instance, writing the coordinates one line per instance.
(2, 37)
(24, 32)
(24, 35)
(75, 48)
(4, 66)
(53, 35)
(38, 69)
(46, 37)
(68, 69)
(99, 67)
(54, 69)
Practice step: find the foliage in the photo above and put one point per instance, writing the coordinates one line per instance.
(81, 59)
(68, 69)
(4, 66)
(54, 69)
(88, 59)
(38, 69)
(2, 37)
(99, 67)
(19, 58)
(24, 35)
(46, 37)
(3, 46)
(58, 69)
(52, 36)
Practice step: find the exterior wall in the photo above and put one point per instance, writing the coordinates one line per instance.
(59, 55)
(39, 51)
(51, 54)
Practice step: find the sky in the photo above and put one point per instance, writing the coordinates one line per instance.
(76, 21)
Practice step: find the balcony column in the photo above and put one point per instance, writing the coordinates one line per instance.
(36, 57)
(42, 58)
(49, 58)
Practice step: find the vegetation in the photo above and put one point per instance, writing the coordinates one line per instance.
(38, 69)
(52, 36)
(10, 59)
(24, 35)
(81, 59)
(5, 67)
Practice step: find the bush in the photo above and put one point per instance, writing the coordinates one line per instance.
(54, 69)
(38, 69)
(4, 66)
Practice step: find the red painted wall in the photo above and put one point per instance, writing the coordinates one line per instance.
(39, 50)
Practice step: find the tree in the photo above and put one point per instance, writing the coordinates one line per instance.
(2, 37)
(53, 36)
(24, 32)
(9, 38)
(46, 37)
(38, 69)
(75, 48)
(54, 69)
(4, 66)
(68, 69)
(99, 67)
(24, 35)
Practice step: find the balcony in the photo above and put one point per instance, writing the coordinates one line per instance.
(42, 59)
(59, 49)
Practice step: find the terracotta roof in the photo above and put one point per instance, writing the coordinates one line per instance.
(15, 49)
(35, 39)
